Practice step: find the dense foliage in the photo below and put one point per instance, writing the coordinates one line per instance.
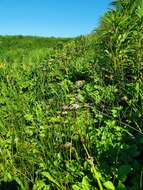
(71, 110)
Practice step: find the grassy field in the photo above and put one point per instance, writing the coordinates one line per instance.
(71, 110)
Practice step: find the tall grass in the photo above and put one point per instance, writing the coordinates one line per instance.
(71, 113)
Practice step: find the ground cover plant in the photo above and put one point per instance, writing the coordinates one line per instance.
(71, 110)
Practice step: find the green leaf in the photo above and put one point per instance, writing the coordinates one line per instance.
(85, 183)
(121, 186)
(28, 117)
(40, 185)
(20, 183)
(46, 174)
(109, 185)
(139, 11)
(75, 187)
(124, 170)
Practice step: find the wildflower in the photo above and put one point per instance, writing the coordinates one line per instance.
(74, 106)
(65, 107)
(67, 145)
(64, 113)
(125, 98)
(77, 98)
(80, 83)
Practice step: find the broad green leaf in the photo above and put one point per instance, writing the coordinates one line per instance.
(109, 185)
(124, 170)
(121, 186)
(85, 183)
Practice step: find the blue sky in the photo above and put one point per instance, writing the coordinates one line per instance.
(50, 17)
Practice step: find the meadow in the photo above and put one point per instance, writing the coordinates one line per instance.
(71, 109)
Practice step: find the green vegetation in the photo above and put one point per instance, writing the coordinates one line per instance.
(28, 42)
(71, 110)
